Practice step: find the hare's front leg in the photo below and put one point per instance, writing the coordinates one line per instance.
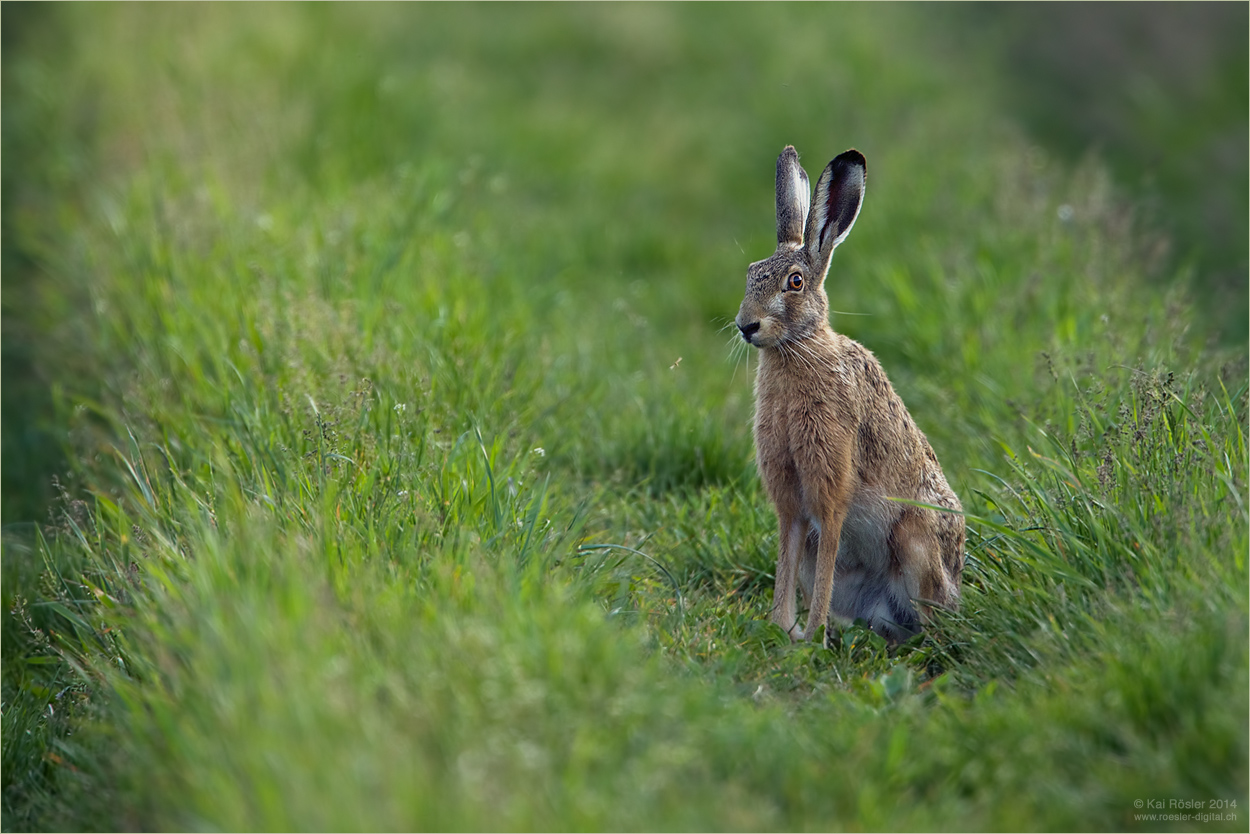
(826, 562)
(793, 536)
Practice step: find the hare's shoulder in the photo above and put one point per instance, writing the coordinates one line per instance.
(860, 368)
(846, 377)
(888, 440)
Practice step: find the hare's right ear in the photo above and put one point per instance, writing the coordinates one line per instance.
(794, 195)
(839, 194)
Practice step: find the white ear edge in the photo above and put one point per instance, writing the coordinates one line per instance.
(837, 241)
(803, 192)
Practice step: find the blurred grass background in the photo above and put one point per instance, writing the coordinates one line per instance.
(1156, 93)
(402, 456)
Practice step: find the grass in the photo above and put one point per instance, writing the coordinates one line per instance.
(1157, 92)
(403, 457)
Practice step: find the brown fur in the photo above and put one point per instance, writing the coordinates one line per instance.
(833, 440)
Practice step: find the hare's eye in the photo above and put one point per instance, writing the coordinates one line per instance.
(795, 281)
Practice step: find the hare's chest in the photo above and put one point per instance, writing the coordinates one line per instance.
(772, 440)
(791, 439)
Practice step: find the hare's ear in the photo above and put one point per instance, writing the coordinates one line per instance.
(794, 194)
(839, 194)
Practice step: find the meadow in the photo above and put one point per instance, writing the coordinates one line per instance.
(377, 444)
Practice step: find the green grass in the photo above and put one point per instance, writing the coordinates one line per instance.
(1158, 93)
(403, 456)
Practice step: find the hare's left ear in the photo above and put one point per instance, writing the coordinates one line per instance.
(839, 194)
(793, 195)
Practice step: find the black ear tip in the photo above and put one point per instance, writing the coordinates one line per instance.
(851, 157)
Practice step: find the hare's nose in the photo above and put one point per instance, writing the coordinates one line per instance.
(748, 330)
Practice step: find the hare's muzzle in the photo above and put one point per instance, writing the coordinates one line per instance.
(748, 330)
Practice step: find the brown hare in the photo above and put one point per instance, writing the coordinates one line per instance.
(834, 443)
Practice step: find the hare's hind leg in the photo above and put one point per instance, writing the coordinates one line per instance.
(916, 572)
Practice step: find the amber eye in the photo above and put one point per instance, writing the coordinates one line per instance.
(795, 281)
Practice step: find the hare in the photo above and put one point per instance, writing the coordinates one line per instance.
(834, 443)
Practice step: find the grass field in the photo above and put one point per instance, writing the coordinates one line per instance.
(403, 467)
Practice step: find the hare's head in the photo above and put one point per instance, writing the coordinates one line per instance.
(785, 296)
